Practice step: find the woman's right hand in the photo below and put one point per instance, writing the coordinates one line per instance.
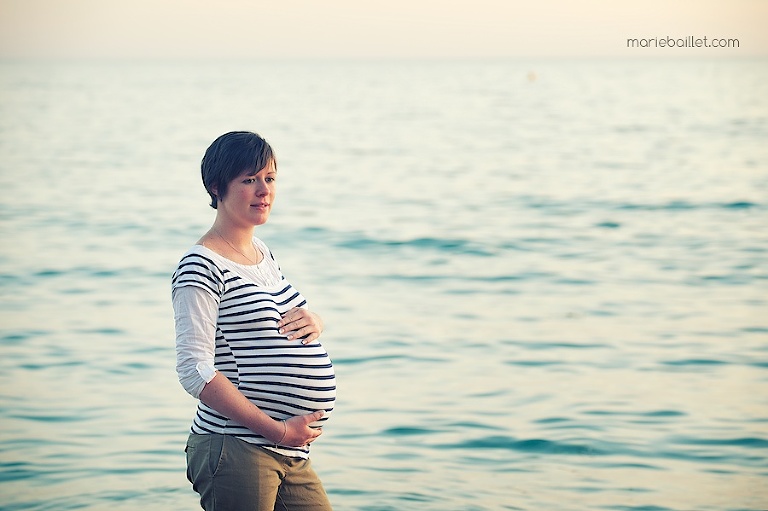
(298, 432)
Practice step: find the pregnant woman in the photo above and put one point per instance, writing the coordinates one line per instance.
(247, 347)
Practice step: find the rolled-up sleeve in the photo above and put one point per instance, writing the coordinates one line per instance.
(195, 313)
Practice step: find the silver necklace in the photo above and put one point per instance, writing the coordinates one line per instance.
(233, 247)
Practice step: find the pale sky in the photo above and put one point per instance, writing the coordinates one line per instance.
(373, 29)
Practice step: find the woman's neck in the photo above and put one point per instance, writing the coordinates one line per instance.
(239, 237)
(234, 244)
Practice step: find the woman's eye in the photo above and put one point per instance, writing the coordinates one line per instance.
(270, 180)
(249, 181)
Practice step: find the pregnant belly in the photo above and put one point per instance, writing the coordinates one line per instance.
(290, 384)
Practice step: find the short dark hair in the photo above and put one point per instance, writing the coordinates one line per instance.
(229, 156)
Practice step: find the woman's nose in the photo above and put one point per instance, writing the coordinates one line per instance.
(261, 188)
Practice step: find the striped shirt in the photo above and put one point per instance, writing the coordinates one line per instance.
(284, 378)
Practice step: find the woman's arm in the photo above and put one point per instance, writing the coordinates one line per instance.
(221, 395)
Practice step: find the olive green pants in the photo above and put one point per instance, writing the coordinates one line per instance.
(233, 475)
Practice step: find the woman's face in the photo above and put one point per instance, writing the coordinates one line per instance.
(249, 198)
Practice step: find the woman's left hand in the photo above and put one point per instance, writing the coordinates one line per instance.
(299, 322)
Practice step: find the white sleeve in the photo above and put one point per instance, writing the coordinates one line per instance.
(195, 314)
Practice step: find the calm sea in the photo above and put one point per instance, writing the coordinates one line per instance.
(545, 282)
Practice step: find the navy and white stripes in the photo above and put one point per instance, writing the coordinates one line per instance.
(284, 378)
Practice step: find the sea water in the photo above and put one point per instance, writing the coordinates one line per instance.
(543, 281)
